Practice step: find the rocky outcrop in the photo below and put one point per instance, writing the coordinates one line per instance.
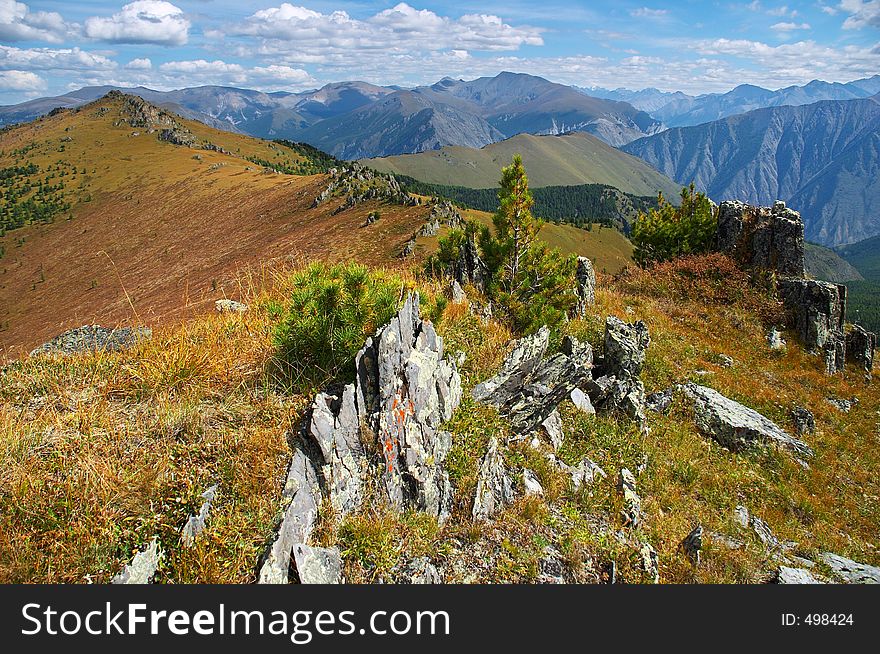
(494, 487)
(692, 545)
(360, 184)
(817, 311)
(660, 402)
(632, 503)
(404, 390)
(317, 565)
(585, 291)
(469, 268)
(804, 421)
(94, 338)
(775, 340)
(617, 386)
(530, 386)
(860, 346)
(789, 575)
(142, 567)
(738, 427)
(767, 238)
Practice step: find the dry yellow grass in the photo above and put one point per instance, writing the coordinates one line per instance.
(99, 453)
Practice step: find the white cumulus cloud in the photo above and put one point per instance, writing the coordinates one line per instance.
(143, 21)
(861, 14)
(790, 27)
(19, 23)
(21, 80)
(64, 59)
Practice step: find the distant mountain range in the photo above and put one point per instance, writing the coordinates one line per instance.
(823, 159)
(567, 160)
(355, 120)
(682, 110)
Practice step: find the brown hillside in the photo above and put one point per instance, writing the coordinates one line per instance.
(156, 230)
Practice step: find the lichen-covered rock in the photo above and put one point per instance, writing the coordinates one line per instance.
(585, 291)
(302, 492)
(736, 426)
(851, 571)
(860, 346)
(142, 567)
(766, 238)
(775, 340)
(494, 488)
(195, 524)
(317, 565)
(94, 338)
(470, 268)
(817, 311)
(625, 347)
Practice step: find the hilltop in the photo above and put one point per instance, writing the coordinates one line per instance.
(566, 160)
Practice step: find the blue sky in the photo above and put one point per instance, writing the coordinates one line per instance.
(50, 47)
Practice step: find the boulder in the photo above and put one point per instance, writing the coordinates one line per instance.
(531, 484)
(851, 571)
(553, 428)
(142, 567)
(775, 340)
(494, 488)
(196, 523)
(582, 401)
(660, 402)
(585, 291)
(94, 338)
(817, 311)
(860, 346)
(625, 347)
(469, 268)
(735, 426)
(317, 565)
(765, 238)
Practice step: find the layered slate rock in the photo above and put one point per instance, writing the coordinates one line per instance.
(618, 386)
(585, 291)
(738, 427)
(94, 338)
(817, 311)
(470, 268)
(302, 492)
(789, 575)
(767, 238)
(860, 346)
(530, 386)
(851, 571)
(494, 487)
(404, 390)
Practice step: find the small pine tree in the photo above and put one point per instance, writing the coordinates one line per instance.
(669, 232)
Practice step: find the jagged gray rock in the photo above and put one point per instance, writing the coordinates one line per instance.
(404, 390)
(692, 545)
(494, 488)
(804, 421)
(317, 565)
(529, 387)
(788, 575)
(196, 523)
(735, 426)
(851, 571)
(632, 511)
(626, 345)
(582, 401)
(94, 338)
(230, 306)
(860, 346)
(817, 310)
(763, 532)
(842, 405)
(775, 340)
(650, 564)
(553, 428)
(661, 401)
(142, 567)
(585, 291)
(531, 484)
(768, 238)
(470, 268)
(303, 493)
(585, 473)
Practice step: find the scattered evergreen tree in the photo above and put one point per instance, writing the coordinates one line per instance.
(669, 232)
